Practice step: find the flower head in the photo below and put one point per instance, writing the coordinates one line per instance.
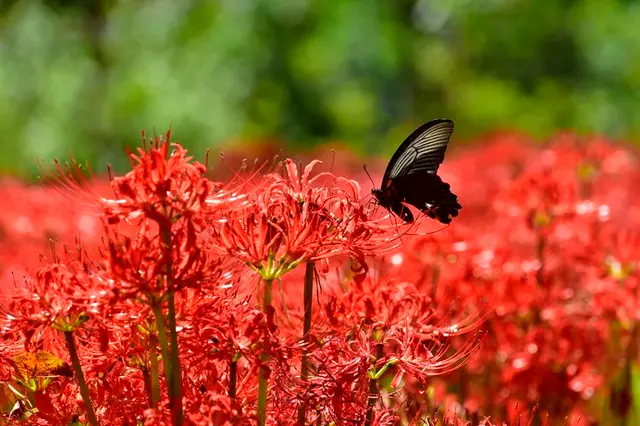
(298, 218)
(62, 296)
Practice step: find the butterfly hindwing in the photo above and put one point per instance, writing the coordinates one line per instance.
(429, 194)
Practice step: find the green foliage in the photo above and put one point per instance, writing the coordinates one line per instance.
(85, 77)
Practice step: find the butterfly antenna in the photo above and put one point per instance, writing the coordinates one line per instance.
(443, 228)
(364, 166)
(397, 227)
(446, 225)
(430, 232)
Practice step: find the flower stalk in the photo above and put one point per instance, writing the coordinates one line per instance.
(373, 386)
(84, 390)
(308, 305)
(263, 374)
(164, 347)
(233, 378)
(154, 377)
(176, 375)
(175, 384)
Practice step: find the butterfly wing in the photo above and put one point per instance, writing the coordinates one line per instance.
(428, 193)
(422, 151)
(29, 365)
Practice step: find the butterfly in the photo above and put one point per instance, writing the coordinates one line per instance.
(411, 176)
(30, 365)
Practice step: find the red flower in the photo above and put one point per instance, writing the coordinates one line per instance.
(62, 296)
(163, 186)
(296, 219)
(147, 264)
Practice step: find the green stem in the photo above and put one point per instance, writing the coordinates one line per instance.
(147, 385)
(155, 377)
(164, 345)
(176, 379)
(233, 377)
(84, 390)
(262, 378)
(175, 384)
(373, 388)
(308, 304)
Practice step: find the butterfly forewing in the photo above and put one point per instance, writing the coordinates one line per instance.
(422, 151)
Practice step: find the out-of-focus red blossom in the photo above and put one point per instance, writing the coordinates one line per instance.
(33, 216)
(540, 250)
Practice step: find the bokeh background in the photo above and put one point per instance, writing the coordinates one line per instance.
(84, 77)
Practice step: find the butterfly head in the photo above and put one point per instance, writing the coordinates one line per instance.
(381, 196)
(388, 199)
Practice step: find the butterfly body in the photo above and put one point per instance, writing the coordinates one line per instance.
(411, 176)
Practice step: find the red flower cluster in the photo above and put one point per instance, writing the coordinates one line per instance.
(554, 253)
(288, 298)
(295, 219)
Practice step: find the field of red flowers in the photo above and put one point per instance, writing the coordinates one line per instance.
(277, 292)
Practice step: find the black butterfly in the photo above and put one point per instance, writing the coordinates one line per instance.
(411, 175)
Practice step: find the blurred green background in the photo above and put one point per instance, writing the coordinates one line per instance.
(86, 76)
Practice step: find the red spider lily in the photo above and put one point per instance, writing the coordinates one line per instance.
(297, 219)
(162, 186)
(220, 330)
(63, 297)
(148, 264)
(369, 332)
(402, 318)
(166, 197)
(213, 408)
